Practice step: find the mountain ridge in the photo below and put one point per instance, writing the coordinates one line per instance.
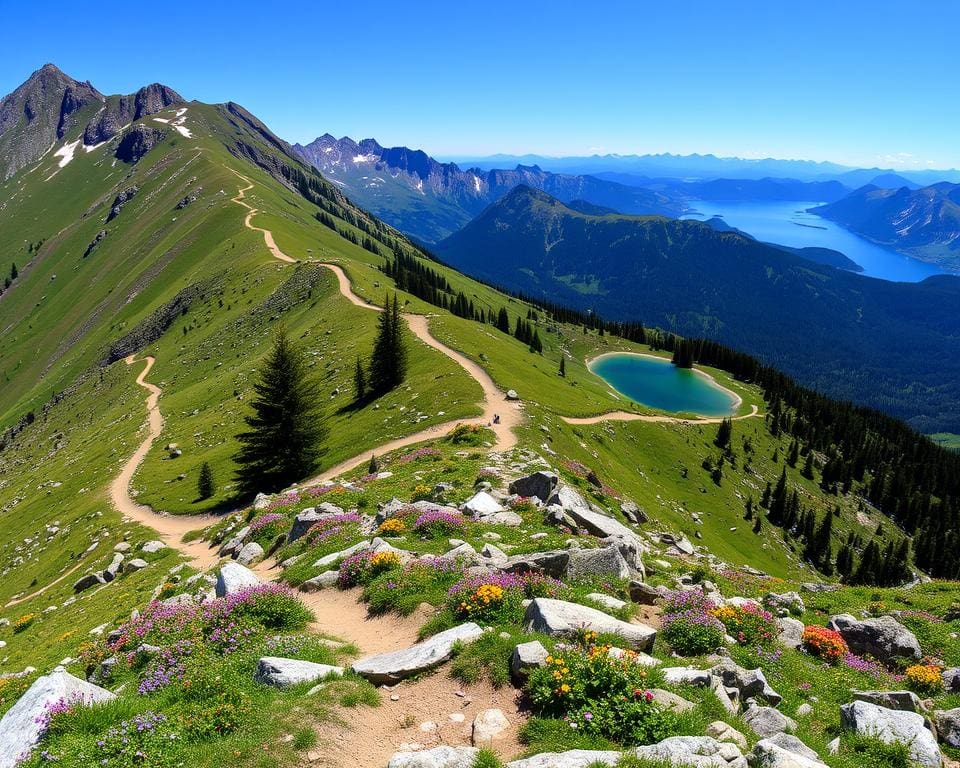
(837, 331)
(429, 200)
(920, 222)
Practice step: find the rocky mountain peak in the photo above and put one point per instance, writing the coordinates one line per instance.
(40, 112)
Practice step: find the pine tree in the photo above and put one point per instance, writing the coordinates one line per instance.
(808, 467)
(205, 484)
(748, 509)
(374, 466)
(793, 454)
(13, 271)
(359, 382)
(285, 441)
(724, 432)
(388, 366)
(757, 524)
(503, 321)
(563, 366)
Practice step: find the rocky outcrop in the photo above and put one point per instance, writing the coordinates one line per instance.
(120, 111)
(22, 725)
(137, 142)
(189, 199)
(121, 200)
(394, 666)
(884, 638)
(562, 619)
(906, 701)
(280, 672)
(95, 242)
(40, 113)
(891, 726)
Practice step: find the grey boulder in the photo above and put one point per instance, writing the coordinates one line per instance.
(697, 751)
(539, 485)
(597, 562)
(884, 637)
(250, 554)
(767, 721)
(574, 758)
(527, 656)
(394, 666)
(791, 632)
(22, 725)
(234, 577)
(891, 726)
(281, 672)
(560, 618)
(768, 754)
(948, 726)
(438, 757)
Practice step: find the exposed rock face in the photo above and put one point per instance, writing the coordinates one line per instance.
(250, 553)
(563, 619)
(90, 580)
(233, 577)
(121, 200)
(137, 142)
(280, 672)
(21, 726)
(395, 666)
(120, 111)
(438, 757)
(951, 679)
(95, 242)
(38, 114)
(884, 637)
(893, 726)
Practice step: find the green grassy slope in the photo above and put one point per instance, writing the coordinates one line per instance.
(56, 330)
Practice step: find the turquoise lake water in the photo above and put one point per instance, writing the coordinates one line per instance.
(788, 223)
(657, 383)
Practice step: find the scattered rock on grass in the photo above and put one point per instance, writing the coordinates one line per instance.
(233, 577)
(889, 726)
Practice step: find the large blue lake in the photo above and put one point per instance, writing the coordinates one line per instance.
(657, 383)
(788, 223)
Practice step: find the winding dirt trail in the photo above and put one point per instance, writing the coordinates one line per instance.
(627, 416)
(169, 528)
(251, 212)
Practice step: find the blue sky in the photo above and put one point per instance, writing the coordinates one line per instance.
(853, 81)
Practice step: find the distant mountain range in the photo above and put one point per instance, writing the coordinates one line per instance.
(923, 223)
(727, 190)
(430, 200)
(855, 337)
(49, 105)
(705, 167)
